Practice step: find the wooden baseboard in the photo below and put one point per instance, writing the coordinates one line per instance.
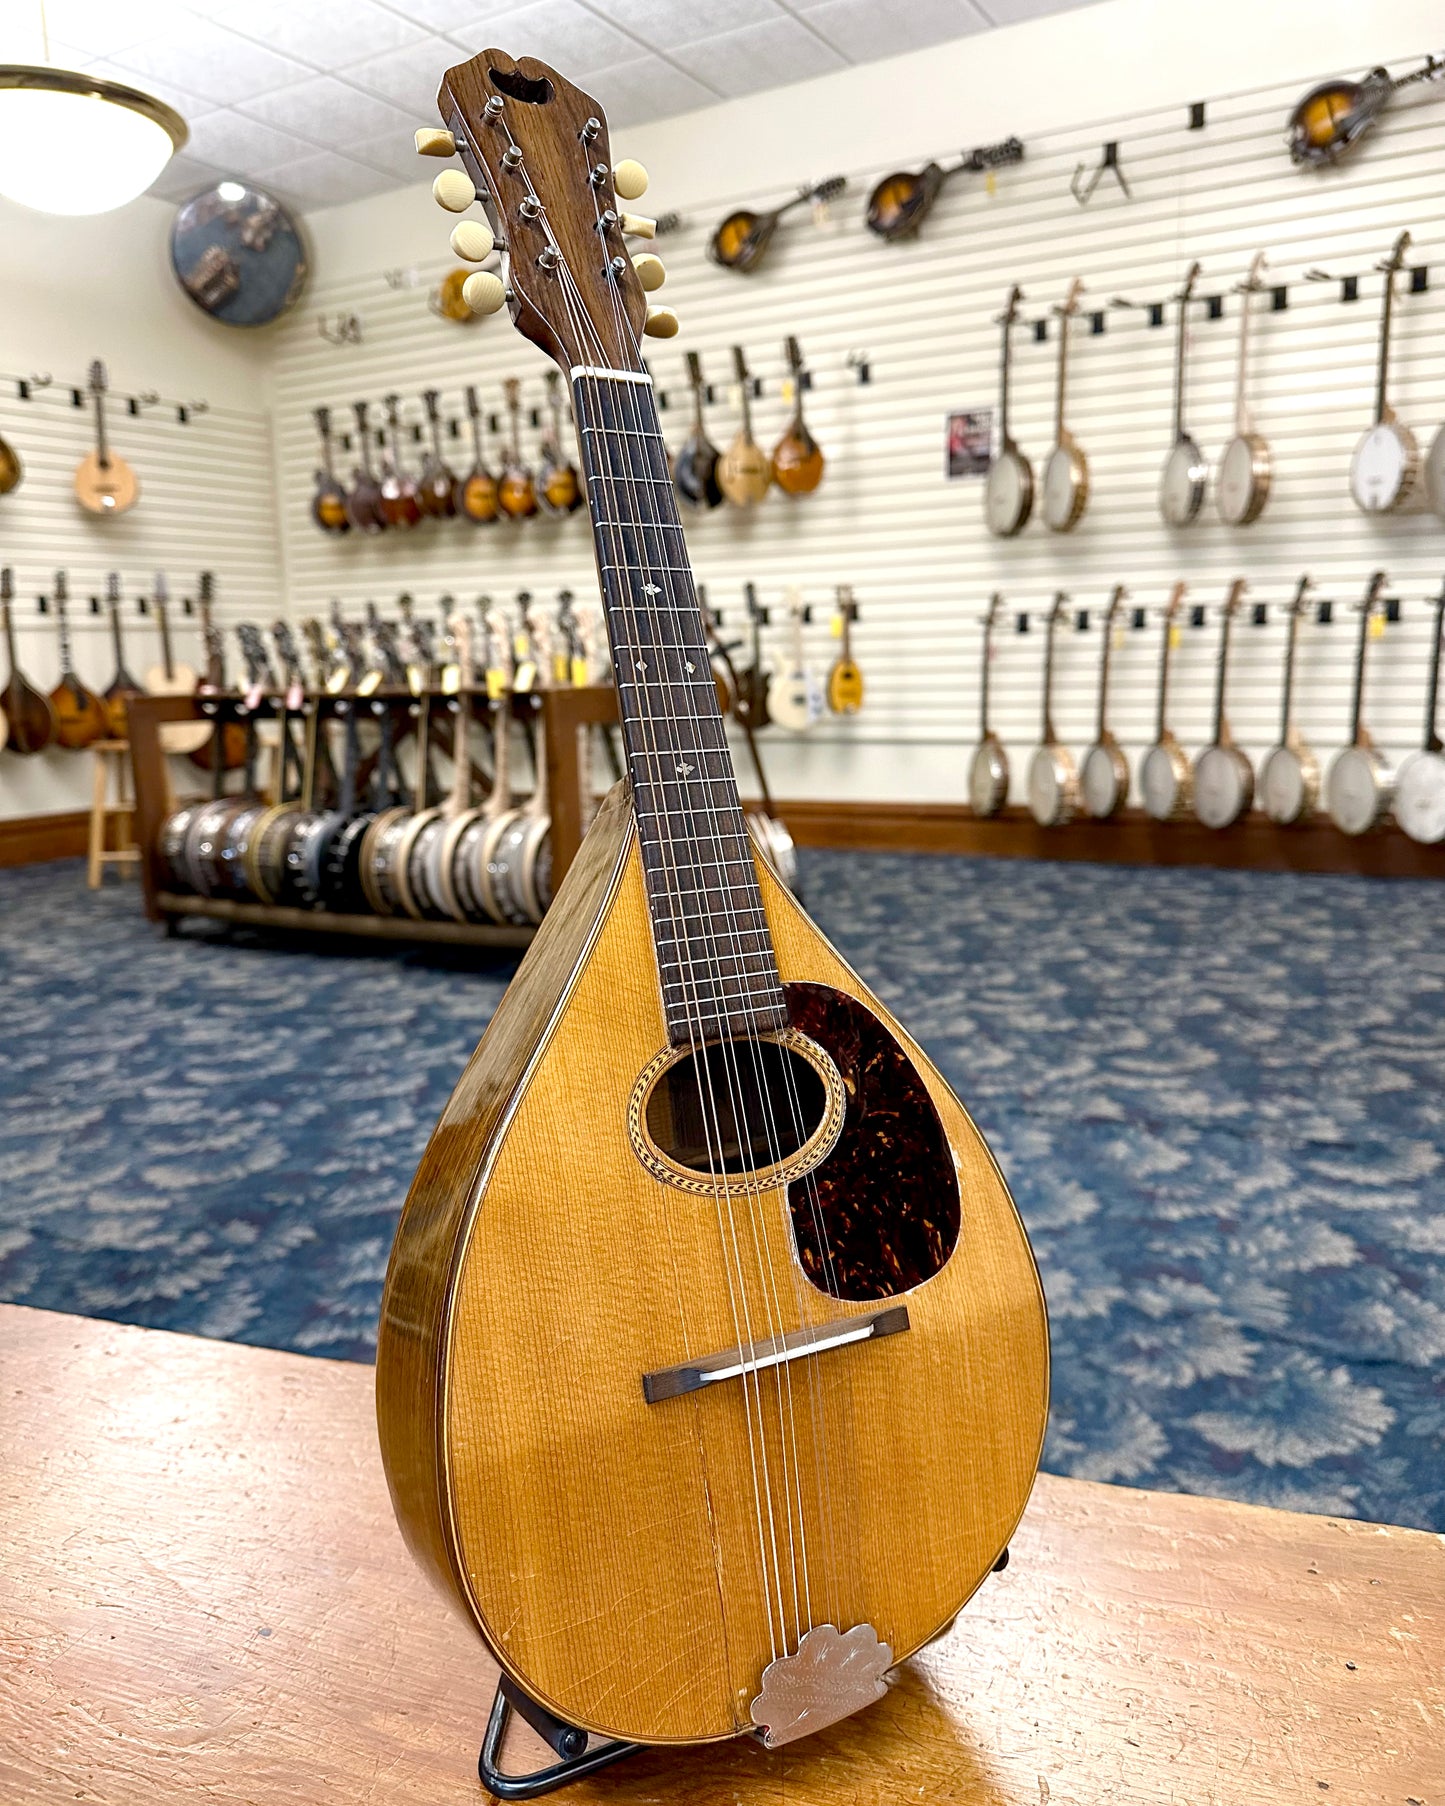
(34, 839)
(1132, 838)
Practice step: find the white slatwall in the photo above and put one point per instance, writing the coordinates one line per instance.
(206, 503)
(913, 545)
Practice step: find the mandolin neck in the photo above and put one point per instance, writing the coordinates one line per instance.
(714, 953)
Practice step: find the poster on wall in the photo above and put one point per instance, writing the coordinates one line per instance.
(969, 437)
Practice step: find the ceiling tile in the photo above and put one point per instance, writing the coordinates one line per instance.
(757, 57)
(392, 151)
(190, 106)
(329, 112)
(862, 30)
(664, 24)
(1011, 12)
(446, 15)
(409, 77)
(647, 88)
(230, 141)
(213, 62)
(561, 32)
(103, 27)
(184, 176)
(324, 180)
(322, 35)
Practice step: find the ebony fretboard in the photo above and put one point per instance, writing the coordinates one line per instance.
(714, 953)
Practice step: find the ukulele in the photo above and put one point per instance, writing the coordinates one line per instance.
(797, 457)
(1166, 780)
(1338, 113)
(558, 490)
(1104, 775)
(1420, 792)
(517, 492)
(400, 496)
(1289, 778)
(745, 471)
(901, 202)
(1361, 785)
(1241, 482)
(436, 487)
(1053, 784)
(104, 482)
(755, 681)
(695, 471)
(845, 680)
(741, 241)
(80, 717)
(796, 701)
(988, 768)
(1386, 459)
(235, 738)
(570, 1439)
(477, 499)
(1223, 776)
(28, 716)
(328, 505)
(11, 469)
(170, 678)
(1008, 491)
(1185, 473)
(122, 686)
(363, 499)
(1066, 474)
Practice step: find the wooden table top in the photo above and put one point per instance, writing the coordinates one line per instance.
(203, 1595)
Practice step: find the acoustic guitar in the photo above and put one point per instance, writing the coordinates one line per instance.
(1223, 775)
(797, 702)
(29, 718)
(696, 469)
(1420, 792)
(713, 1366)
(104, 482)
(516, 492)
(1104, 774)
(845, 680)
(1361, 783)
(1066, 473)
(1185, 474)
(328, 504)
(1166, 779)
(122, 686)
(741, 242)
(1289, 778)
(901, 202)
(400, 493)
(988, 768)
(478, 499)
(363, 499)
(558, 490)
(1335, 115)
(745, 471)
(797, 457)
(436, 486)
(80, 717)
(1053, 781)
(1386, 461)
(1008, 491)
(1241, 483)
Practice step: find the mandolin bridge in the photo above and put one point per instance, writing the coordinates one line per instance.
(772, 1351)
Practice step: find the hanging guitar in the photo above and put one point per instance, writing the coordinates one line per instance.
(328, 504)
(1104, 774)
(1386, 461)
(1337, 114)
(1289, 778)
(29, 719)
(79, 713)
(122, 686)
(745, 471)
(796, 701)
(1223, 775)
(741, 242)
(797, 457)
(845, 680)
(696, 469)
(901, 202)
(569, 1434)
(988, 768)
(1361, 783)
(1008, 492)
(1420, 792)
(104, 482)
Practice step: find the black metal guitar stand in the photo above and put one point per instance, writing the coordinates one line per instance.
(569, 1741)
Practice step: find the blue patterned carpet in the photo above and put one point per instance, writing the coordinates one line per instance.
(1219, 1097)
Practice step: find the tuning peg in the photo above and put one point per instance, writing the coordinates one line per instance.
(472, 240)
(483, 292)
(630, 180)
(637, 225)
(661, 323)
(650, 272)
(453, 190)
(432, 141)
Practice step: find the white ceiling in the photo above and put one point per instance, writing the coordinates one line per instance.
(317, 99)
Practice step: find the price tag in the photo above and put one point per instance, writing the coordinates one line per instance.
(1377, 627)
(561, 670)
(336, 682)
(1174, 636)
(990, 184)
(836, 627)
(369, 684)
(1118, 641)
(496, 683)
(451, 679)
(787, 391)
(521, 645)
(415, 679)
(526, 675)
(579, 673)
(295, 696)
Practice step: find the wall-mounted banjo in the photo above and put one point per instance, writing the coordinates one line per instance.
(1361, 785)
(1387, 459)
(1181, 487)
(1104, 775)
(1420, 793)
(988, 769)
(1289, 779)
(1223, 776)
(1066, 475)
(1008, 495)
(1053, 779)
(1241, 483)
(1166, 783)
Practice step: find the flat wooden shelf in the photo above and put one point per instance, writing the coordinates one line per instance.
(206, 1598)
(324, 921)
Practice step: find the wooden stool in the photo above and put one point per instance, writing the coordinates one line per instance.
(110, 756)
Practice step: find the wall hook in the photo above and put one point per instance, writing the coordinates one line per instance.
(1083, 190)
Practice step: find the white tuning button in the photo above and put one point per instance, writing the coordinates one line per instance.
(432, 141)
(453, 190)
(637, 225)
(630, 180)
(650, 272)
(483, 292)
(472, 240)
(661, 323)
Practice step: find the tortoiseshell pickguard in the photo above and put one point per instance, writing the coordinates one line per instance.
(888, 1193)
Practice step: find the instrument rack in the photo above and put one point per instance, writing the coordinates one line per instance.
(563, 713)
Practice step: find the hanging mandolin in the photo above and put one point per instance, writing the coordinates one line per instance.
(901, 202)
(741, 242)
(713, 1364)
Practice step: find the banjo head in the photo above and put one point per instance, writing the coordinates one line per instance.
(1382, 471)
(988, 778)
(1223, 786)
(1103, 781)
(1066, 488)
(1420, 797)
(1053, 787)
(1181, 487)
(1289, 784)
(1164, 782)
(1008, 494)
(1241, 484)
(1359, 790)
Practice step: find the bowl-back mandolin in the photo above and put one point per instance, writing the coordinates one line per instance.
(713, 1364)
(696, 469)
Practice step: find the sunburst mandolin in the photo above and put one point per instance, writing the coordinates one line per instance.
(713, 1366)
